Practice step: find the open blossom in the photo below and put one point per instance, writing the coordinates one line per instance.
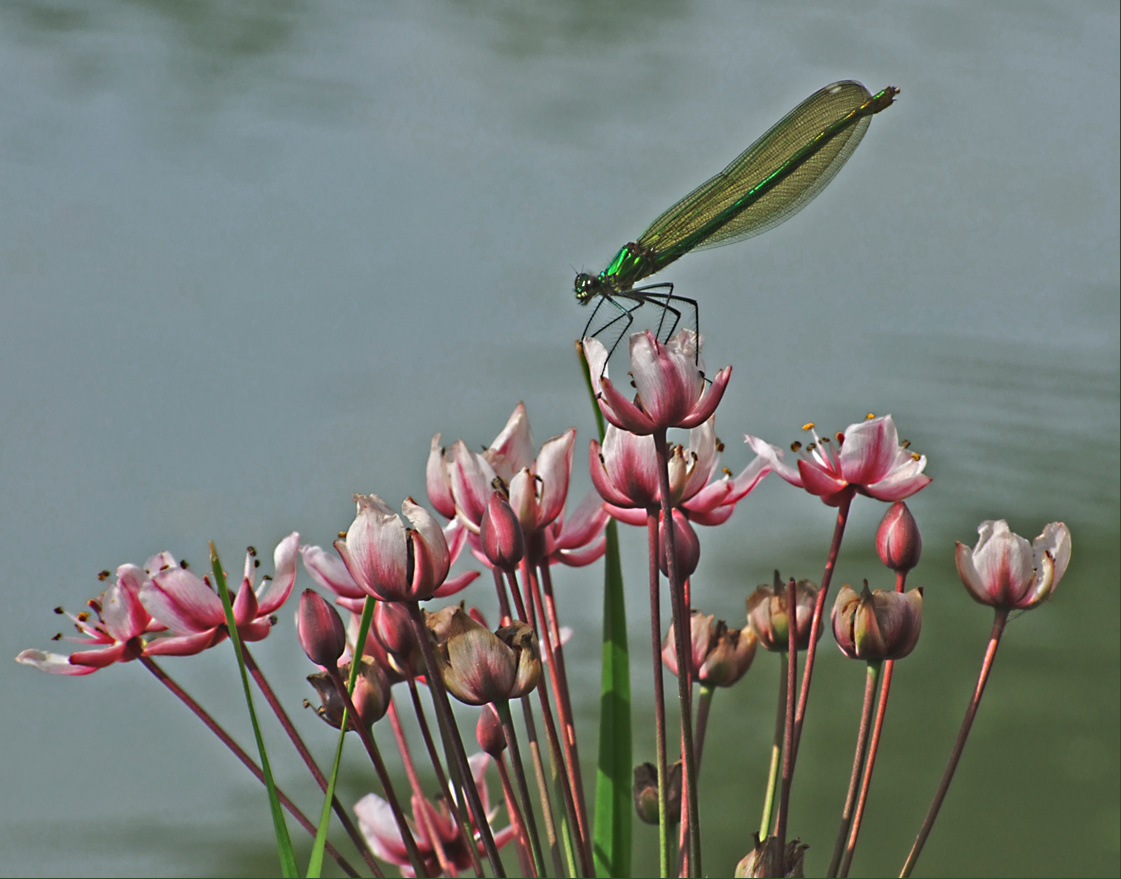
(867, 459)
(624, 472)
(390, 561)
(670, 385)
(191, 609)
(1004, 570)
(115, 636)
(376, 821)
(461, 483)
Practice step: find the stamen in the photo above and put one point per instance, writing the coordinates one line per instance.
(103, 575)
(809, 425)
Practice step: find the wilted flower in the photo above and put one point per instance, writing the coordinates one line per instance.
(671, 390)
(767, 614)
(720, 656)
(644, 790)
(479, 666)
(1004, 570)
(877, 625)
(867, 459)
(370, 696)
(764, 860)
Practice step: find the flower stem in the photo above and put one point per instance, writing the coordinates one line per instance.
(681, 628)
(452, 739)
(999, 622)
(870, 681)
(788, 727)
(241, 755)
(815, 628)
(503, 709)
(383, 774)
(870, 765)
(659, 692)
(297, 742)
(776, 750)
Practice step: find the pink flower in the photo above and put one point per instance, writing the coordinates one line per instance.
(388, 560)
(1004, 570)
(624, 472)
(461, 483)
(670, 385)
(375, 819)
(116, 636)
(867, 459)
(192, 610)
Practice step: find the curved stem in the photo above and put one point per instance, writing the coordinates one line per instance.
(971, 712)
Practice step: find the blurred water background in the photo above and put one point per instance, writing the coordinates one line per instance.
(254, 254)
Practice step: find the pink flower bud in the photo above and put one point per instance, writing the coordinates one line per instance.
(488, 731)
(897, 540)
(320, 630)
(501, 534)
(687, 547)
(877, 625)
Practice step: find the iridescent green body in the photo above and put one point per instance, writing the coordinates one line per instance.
(768, 183)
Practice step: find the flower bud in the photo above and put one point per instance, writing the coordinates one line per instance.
(877, 625)
(687, 548)
(645, 793)
(392, 628)
(320, 629)
(501, 534)
(897, 540)
(767, 614)
(488, 732)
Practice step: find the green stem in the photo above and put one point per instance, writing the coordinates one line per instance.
(776, 751)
